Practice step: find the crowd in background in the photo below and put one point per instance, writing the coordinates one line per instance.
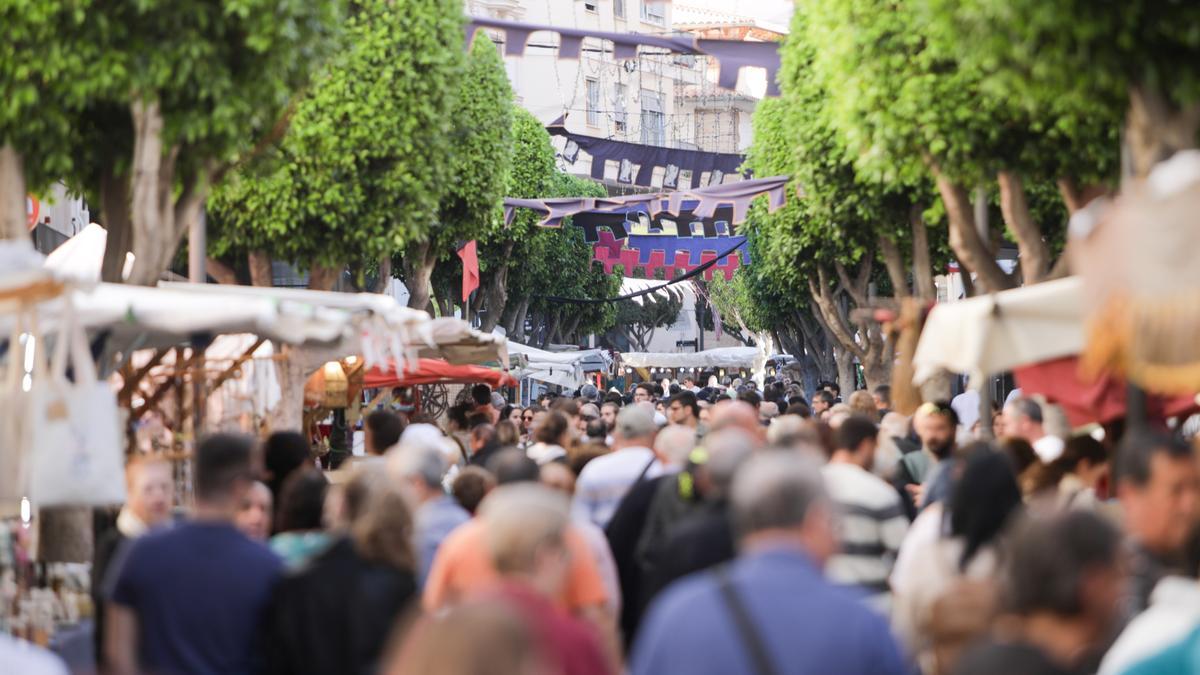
(668, 529)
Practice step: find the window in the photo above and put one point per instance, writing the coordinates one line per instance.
(619, 9)
(654, 11)
(590, 6)
(593, 103)
(654, 122)
(619, 114)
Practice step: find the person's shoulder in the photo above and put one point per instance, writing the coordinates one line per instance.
(462, 538)
(688, 600)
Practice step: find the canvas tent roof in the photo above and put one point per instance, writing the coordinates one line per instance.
(998, 332)
(721, 357)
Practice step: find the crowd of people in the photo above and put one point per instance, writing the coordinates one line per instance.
(668, 529)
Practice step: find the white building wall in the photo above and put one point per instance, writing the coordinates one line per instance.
(680, 85)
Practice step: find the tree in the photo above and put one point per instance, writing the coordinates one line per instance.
(43, 84)
(532, 175)
(557, 261)
(363, 166)
(909, 109)
(638, 321)
(1135, 57)
(478, 169)
(185, 90)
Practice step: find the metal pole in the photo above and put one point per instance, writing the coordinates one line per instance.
(197, 248)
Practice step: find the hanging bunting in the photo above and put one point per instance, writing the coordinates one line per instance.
(736, 196)
(732, 55)
(647, 158)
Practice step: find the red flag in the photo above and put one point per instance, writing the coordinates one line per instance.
(469, 255)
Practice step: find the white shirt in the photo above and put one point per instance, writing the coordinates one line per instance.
(545, 452)
(604, 481)
(26, 658)
(1048, 448)
(1173, 612)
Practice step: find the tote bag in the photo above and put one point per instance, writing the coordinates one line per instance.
(75, 435)
(15, 410)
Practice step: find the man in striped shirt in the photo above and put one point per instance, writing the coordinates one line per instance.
(872, 522)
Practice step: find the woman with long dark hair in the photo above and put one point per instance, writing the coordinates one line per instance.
(943, 591)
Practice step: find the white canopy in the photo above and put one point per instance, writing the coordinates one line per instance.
(81, 257)
(995, 333)
(562, 368)
(135, 317)
(723, 357)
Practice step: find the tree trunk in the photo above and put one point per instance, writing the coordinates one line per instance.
(1154, 130)
(968, 283)
(895, 266)
(497, 296)
(847, 378)
(260, 269)
(1035, 257)
(218, 270)
(385, 275)
(14, 220)
(520, 320)
(551, 329)
(573, 326)
(877, 370)
(1077, 197)
(418, 274)
(321, 278)
(922, 266)
(114, 210)
(818, 343)
(972, 251)
(159, 217)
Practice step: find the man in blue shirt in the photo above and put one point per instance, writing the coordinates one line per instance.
(420, 467)
(190, 599)
(770, 612)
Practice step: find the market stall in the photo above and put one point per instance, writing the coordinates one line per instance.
(567, 369)
(1037, 332)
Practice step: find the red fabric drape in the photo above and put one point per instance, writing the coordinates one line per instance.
(1102, 400)
(433, 371)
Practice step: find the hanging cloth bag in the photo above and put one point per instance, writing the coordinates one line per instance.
(75, 435)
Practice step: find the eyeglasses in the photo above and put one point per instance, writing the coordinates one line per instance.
(527, 418)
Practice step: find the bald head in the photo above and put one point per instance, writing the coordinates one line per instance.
(675, 443)
(735, 415)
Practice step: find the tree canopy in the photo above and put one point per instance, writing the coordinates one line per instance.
(362, 168)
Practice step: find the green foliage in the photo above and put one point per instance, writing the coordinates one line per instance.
(481, 147)
(904, 100)
(1079, 53)
(366, 160)
(43, 82)
(221, 71)
(557, 261)
(531, 175)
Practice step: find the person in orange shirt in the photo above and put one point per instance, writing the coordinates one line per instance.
(463, 564)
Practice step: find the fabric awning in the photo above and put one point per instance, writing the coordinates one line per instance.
(999, 332)
(722, 357)
(435, 371)
(1101, 400)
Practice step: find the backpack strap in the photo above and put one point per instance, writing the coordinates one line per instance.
(751, 637)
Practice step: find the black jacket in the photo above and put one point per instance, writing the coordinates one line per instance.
(624, 531)
(335, 614)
